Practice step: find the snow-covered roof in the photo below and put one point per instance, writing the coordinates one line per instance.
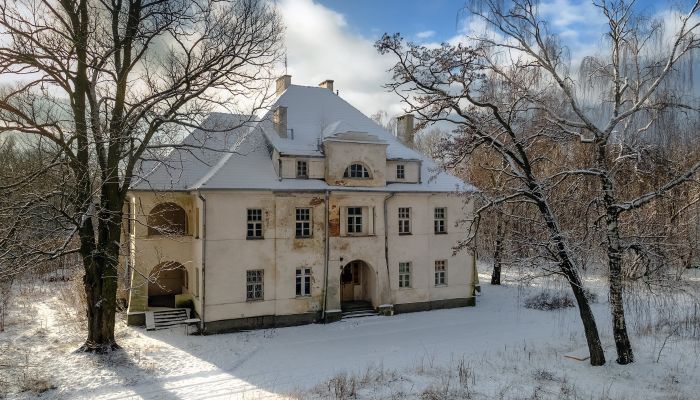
(237, 156)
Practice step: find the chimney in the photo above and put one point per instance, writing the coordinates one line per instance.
(279, 119)
(283, 82)
(327, 84)
(405, 130)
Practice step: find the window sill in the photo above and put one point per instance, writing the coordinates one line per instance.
(254, 238)
(441, 285)
(254, 300)
(302, 296)
(405, 234)
(303, 237)
(441, 233)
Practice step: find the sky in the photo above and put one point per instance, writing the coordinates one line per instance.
(333, 39)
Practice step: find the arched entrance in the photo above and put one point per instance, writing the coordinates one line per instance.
(357, 282)
(165, 281)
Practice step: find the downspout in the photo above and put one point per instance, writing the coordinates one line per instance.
(203, 238)
(386, 245)
(325, 259)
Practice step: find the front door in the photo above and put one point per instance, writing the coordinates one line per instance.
(349, 279)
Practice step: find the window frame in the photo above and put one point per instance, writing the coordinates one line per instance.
(440, 223)
(351, 171)
(404, 215)
(405, 274)
(253, 279)
(302, 281)
(303, 224)
(357, 221)
(440, 273)
(305, 169)
(400, 171)
(254, 225)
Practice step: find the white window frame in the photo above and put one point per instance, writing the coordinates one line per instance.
(400, 171)
(303, 282)
(302, 169)
(440, 272)
(354, 221)
(302, 216)
(357, 170)
(405, 275)
(440, 220)
(254, 223)
(404, 220)
(255, 285)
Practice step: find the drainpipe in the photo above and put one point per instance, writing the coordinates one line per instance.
(386, 245)
(203, 238)
(325, 259)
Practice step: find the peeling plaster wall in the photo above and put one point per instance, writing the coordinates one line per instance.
(339, 155)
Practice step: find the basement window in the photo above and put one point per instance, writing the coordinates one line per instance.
(303, 281)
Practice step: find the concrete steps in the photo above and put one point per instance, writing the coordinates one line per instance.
(163, 319)
(357, 309)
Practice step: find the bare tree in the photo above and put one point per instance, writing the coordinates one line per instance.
(617, 109)
(106, 84)
(493, 116)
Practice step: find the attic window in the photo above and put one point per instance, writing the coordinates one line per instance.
(356, 171)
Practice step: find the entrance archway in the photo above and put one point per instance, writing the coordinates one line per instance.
(357, 282)
(165, 281)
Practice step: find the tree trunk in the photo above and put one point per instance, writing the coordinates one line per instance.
(498, 251)
(100, 283)
(623, 345)
(567, 266)
(614, 252)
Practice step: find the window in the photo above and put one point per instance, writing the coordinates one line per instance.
(404, 274)
(167, 219)
(356, 171)
(254, 284)
(303, 281)
(400, 172)
(303, 225)
(404, 221)
(196, 223)
(302, 169)
(354, 219)
(440, 220)
(440, 272)
(255, 224)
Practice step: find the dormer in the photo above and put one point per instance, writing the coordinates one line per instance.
(355, 159)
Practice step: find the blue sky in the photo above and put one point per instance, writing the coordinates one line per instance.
(334, 39)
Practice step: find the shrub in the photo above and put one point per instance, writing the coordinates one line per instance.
(549, 300)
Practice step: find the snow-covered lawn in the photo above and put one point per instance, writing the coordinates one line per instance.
(498, 349)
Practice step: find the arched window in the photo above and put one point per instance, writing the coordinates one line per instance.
(356, 170)
(167, 219)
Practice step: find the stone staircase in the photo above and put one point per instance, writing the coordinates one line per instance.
(167, 318)
(357, 309)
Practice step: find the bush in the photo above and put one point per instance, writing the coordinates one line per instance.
(549, 300)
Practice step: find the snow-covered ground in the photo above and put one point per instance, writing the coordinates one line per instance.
(498, 349)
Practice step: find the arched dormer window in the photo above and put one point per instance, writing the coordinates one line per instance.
(167, 219)
(356, 170)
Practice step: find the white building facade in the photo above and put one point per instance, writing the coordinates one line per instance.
(311, 210)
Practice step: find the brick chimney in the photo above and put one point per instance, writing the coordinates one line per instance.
(404, 129)
(279, 119)
(327, 84)
(283, 82)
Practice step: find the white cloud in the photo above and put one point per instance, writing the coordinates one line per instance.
(320, 46)
(425, 34)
